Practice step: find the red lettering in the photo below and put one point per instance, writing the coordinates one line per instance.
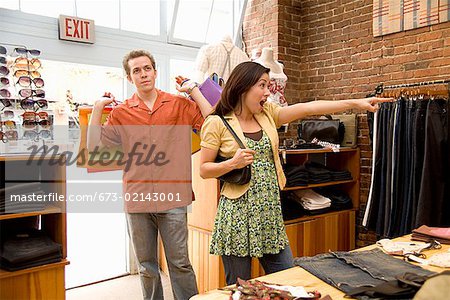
(86, 23)
(68, 27)
(75, 32)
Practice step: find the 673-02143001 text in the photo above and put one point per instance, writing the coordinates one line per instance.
(135, 197)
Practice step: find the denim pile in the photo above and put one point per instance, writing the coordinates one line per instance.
(362, 274)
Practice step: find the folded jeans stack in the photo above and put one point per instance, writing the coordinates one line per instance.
(425, 234)
(27, 249)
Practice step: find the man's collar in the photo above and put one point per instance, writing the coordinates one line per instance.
(134, 100)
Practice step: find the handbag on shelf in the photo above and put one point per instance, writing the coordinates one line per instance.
(326, 130)
(236, 176)
(351, 129)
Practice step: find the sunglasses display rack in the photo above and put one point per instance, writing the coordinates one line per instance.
(24, 115)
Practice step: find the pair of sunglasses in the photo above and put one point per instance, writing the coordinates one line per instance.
(9, 124)
(33, 116)
(3, 137)
(4, 81)
(9, 114)
(6, 102)
(5, 93)
(4, 71)
(26, 81)
(30, 92)
(35, 135)
(9, 135)
(33, 74)
(2, 60)
(25, 51)
(31, 103)
(25, 63)
(2, 50)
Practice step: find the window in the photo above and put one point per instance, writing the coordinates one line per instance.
(10, 4)
(103, 12)
(204, 21)
(48, 8)
(179, 67)
(140, 16)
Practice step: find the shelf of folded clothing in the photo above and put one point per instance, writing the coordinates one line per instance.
(312, 151)
(6, 274)
(310, 186)
(52, 209)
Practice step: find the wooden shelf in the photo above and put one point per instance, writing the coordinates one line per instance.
(310, 186)
(49, 210)
(313, 217)
(6, 274)
(44, 281)
(312, 151)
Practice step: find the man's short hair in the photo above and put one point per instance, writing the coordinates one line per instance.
(135, 54)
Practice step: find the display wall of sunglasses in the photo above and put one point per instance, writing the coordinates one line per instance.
(4, 70)
(30, 92)
(24, 51)
(34, 74)
(4, 81)
(31, 104)
(25, 63)
(2, 50)
(26, 81)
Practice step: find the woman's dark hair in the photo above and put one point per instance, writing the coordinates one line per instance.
(241, 79)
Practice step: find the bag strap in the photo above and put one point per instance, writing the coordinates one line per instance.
(227, 62)
(238, 140)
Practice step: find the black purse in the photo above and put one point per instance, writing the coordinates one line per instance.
(326, 130)
(236, 176)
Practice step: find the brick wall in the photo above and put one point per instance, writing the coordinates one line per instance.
(329, 52)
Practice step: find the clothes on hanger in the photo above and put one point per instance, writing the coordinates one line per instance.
(409, 185)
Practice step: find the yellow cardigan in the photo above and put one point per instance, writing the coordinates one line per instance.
(216, 136)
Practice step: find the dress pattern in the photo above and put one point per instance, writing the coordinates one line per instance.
(252, 225)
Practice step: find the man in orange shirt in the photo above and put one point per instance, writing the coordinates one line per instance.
(150, 115)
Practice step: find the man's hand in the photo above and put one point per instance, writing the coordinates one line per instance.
(184, 85)
(107, 99)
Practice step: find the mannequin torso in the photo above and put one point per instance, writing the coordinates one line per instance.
(277, 77)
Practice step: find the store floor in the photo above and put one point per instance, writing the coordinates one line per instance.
(123, 288)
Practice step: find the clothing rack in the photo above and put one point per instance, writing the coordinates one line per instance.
(380, 88)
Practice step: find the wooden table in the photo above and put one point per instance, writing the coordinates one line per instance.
(297, 276)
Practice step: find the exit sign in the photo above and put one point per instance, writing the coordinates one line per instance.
(76, 29)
